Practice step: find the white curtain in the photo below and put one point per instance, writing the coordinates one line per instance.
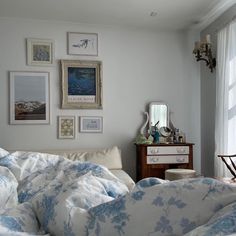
(225, 124)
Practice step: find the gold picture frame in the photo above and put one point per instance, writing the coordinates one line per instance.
(81, 84)
(66, 127)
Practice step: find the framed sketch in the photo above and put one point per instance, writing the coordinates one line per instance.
(29, 98)
(81, 84)
(91, 124)
(82, 43)
(66, 127)
(40, 52)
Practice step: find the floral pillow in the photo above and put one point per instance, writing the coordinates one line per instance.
(222, 223)
(62, 209)
(8, 188)
(19, 219)
(23, 164)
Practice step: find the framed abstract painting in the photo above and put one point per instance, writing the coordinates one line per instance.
(81, 84)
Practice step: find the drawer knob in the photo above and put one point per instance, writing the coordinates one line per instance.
(180, 159)
(154, 151)
(154, 159)
(180, 150)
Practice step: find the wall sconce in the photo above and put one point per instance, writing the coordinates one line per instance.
(202, 51)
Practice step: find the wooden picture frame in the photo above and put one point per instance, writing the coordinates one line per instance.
(81, 84)
(29, 97)
(40, 52)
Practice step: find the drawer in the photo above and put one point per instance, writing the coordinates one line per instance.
(157, 150)
(173, 159)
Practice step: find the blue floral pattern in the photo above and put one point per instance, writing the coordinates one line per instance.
(171, 208)
(8, 188)
(19, 219)
(62, 197)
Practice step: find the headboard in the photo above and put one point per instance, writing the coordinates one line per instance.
(110, 157)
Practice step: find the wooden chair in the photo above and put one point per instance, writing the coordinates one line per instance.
(232, 168)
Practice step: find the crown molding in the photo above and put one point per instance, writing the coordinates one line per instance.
(214, 13)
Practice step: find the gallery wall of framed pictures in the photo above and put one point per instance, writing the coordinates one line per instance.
(81, 85)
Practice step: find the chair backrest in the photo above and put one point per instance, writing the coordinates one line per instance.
(230, 157)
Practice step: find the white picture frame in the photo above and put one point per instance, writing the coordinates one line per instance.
(66, 127)
(91, 124)
(29, 97)
(40, 52)
(82, 44)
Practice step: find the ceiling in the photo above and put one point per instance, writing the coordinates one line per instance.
(170, 14)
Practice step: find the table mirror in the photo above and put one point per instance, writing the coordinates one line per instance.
(158, 112)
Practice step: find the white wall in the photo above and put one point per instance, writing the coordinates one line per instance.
(138, 67)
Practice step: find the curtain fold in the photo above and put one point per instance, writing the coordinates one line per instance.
(225, 123)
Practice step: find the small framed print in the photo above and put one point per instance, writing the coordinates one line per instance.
(82, 43)
(66, 127)
(91, 124)
(40, 52)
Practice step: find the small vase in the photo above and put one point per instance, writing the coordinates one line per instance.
(156, 137)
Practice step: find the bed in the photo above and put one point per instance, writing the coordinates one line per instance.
(75, 193)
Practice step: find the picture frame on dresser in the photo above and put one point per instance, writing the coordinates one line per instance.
(82, 44)
(81, 84)
(29, 97)
(40, 52)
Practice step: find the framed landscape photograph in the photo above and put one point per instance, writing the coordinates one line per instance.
(29, 98)
(40, 52)
(66, 127)
(82, 43)
(91, 124)
(81, 84)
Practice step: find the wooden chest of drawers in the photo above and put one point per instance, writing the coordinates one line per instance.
(153, 160)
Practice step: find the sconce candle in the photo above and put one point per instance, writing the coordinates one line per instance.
(208, 38)
(202, 51)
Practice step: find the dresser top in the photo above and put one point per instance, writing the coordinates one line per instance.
(166, 144)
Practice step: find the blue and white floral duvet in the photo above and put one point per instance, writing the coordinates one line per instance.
(41, 195)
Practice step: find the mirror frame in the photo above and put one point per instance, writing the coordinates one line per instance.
(150, 112)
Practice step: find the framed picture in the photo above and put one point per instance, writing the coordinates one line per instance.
(81, 84)
(40, 52)
(66, 127)
(82, 43)
(29, 98)
(91, 124)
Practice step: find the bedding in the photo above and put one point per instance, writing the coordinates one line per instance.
(51, 195)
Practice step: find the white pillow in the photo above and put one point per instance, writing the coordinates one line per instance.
(3, 152)
(111, 158)
(8, 188)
